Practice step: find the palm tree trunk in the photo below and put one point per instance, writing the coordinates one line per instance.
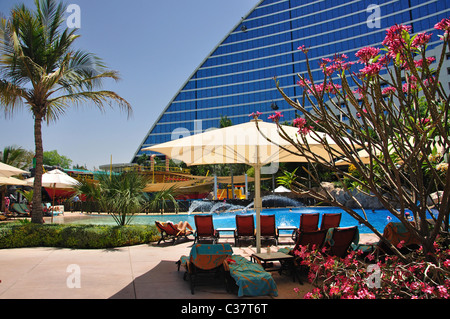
(36, 212)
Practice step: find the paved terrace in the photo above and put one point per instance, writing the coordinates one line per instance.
(137, 272)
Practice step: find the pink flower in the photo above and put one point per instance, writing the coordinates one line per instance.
(425, 121)
(389, 90)
(302, 127)
(421, 39)
(299, 122)
(303, 49)
(371, 69)
(443, 292)
(366, 54)
(444, 25)
(334, 290)
(304, 82)
(394, 40)
(428, 289)
(447, 263)
(407, 86)
(419, 63)
(255, 116)
(275, 117)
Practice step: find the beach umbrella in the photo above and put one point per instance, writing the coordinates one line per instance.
(12, 181)
(244, 143)
(8, 170)
(281, 189)
(56, 179)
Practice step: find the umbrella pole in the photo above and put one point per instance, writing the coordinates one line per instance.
(53, 206)
(258, 205)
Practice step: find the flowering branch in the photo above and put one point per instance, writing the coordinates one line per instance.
(398, 114)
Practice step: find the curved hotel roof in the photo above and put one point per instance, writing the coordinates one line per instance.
(236, 78)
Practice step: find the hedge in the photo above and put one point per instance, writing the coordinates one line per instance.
(75, 236)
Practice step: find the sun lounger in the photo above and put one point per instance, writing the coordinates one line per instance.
(20, 209)
(170, 232)
(395, 233)
(205, 228)
(309, 222)
(205, 259)
(250, 278)
(339, 240)
(330, 220)
(268, 228)
(311, 239)
(245, 229)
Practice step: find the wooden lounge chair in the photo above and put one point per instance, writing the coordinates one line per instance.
(245, 229)
(268, 228)
(339, 240)
(169, 231)
(205, 229)
(330, 220)
(205, 259)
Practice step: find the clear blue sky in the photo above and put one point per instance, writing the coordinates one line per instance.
(155, 45)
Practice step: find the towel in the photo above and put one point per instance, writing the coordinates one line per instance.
(251, 278)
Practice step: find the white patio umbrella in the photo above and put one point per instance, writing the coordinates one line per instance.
(56, 179)
(281, 189)
(12, 181)
(8, 170)
(242, 143)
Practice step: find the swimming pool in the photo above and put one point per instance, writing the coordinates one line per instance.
(283, 216)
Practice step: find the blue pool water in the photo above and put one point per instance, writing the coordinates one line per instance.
(283, 216)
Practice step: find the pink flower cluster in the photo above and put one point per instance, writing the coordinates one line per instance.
(347, 278)
(443, 25)
(366, 54)
(276, 117)
(394, 40)
(389, 90)
(302, 127)
(329, 66)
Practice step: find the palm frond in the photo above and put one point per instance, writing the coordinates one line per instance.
(99, 98)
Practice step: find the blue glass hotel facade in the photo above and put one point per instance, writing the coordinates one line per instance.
(236, 78)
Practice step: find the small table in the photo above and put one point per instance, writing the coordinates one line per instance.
(286, 261)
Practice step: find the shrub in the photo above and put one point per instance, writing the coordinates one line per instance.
(389, 278)
(75, 236)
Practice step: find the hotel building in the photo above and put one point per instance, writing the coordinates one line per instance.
(236, 78)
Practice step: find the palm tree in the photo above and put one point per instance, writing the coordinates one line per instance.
(15, 156)
(41, 69)
(122, 195)
(159, 200)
